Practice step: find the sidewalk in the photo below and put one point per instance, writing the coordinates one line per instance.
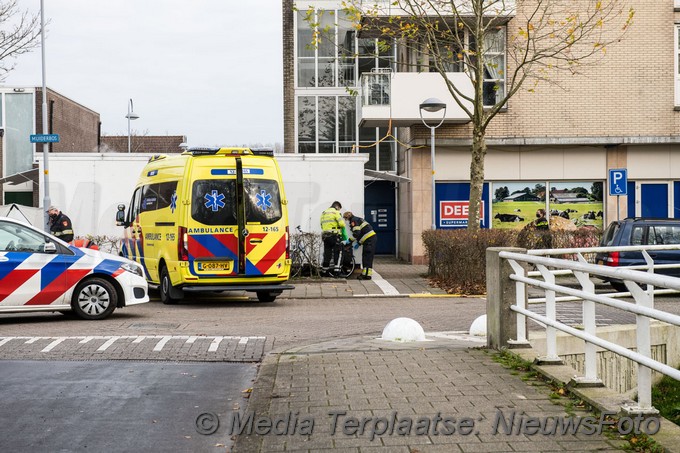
(391, 278)
(397, 397)
(401, 397)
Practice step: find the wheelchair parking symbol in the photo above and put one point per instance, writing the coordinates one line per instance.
(618, 181)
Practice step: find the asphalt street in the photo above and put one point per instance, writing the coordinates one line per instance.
(119, 405)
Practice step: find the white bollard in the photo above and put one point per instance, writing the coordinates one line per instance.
(478, 327)
(403, 329)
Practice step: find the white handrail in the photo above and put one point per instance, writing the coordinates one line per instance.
(635, 280)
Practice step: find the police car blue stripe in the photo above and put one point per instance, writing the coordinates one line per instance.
(54, 269)
(107, 267)
(14, 259)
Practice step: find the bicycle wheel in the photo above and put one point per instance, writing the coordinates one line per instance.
(347, 269)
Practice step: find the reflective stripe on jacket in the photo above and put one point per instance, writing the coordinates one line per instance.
(331, 221)
(361, 229)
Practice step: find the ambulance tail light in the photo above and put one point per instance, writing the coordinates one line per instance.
(183, 244)
(287, 242)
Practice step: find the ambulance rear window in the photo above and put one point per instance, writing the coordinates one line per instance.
(263, 201)
(213, 201)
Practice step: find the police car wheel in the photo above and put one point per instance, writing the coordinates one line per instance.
(266, 296)
(165, 288)
(94, 298)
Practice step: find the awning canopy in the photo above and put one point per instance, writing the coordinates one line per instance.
(20, 178)
(386, 176)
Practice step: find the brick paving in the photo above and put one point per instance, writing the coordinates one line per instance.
(465, 387)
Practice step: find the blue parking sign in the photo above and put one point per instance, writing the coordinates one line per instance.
(618, 181)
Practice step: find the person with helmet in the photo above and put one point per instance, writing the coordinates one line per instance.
(60, 224)
(364, 235)
(332, 233)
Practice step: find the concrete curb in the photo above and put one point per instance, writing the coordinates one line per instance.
(259, 403)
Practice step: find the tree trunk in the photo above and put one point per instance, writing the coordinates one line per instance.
(476, 177)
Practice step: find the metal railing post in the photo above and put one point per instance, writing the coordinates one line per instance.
(589, 326)
(521, 301)
(551, 357)
(644, 347)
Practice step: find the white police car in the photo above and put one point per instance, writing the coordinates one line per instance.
(39, 272)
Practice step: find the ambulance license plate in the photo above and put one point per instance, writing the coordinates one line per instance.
(212, 266)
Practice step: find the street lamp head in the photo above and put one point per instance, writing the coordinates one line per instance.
(432, 105)
(132, 116)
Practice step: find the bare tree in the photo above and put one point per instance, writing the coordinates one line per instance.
(547, 36)
(19, 34)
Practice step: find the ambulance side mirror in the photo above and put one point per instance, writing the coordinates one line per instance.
(120, 216)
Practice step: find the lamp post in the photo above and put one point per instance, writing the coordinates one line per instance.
(46, 147)
(432, 105)
(131, 115)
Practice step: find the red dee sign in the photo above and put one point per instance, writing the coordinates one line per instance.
(455, 213)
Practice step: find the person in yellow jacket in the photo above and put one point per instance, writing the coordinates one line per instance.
(365, 235)
(332, 233)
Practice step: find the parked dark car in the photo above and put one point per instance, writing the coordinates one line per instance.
(640, 231)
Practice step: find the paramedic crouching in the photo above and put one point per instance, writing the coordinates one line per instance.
(60, 224)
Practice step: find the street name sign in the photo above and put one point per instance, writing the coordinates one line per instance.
(44, 138)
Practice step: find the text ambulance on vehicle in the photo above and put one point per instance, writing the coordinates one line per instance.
(210, 219)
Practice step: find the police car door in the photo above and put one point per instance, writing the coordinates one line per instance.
(28, 274)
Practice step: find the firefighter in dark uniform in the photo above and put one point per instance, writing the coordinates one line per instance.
(364, 235)
(60, 224)
(332, 233)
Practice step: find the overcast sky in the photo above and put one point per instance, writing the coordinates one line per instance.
(207, 69)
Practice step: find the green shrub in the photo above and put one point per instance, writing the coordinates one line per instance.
(457, 258)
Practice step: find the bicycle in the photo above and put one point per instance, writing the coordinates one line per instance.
(305, 252)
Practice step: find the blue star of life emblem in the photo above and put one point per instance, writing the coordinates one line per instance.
(264, 200)
(214, 201)
(173, 202)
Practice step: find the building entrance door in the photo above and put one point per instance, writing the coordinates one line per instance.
(652, 199)
(380, 212)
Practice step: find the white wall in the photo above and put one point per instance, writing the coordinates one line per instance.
(89, 186)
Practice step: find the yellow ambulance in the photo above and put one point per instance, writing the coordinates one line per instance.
(210, 219)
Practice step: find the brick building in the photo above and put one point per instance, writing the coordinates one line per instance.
(157, 144)
(620, 113)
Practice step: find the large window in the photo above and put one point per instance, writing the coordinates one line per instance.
(327, 73)
(18, 154)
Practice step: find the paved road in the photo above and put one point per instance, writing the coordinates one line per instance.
(283, 324)
(117, 406)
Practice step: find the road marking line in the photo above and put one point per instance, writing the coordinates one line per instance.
(215, 344)
(52, 345)
(192, 340)
(108, 343)
(243, 340)
(5, 341)
(85, 340)
(161, 343)
(33, 340)
(138, 340)
(384, 285)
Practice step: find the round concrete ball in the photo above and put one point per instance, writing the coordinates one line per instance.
(403, 329)
(478, 326)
